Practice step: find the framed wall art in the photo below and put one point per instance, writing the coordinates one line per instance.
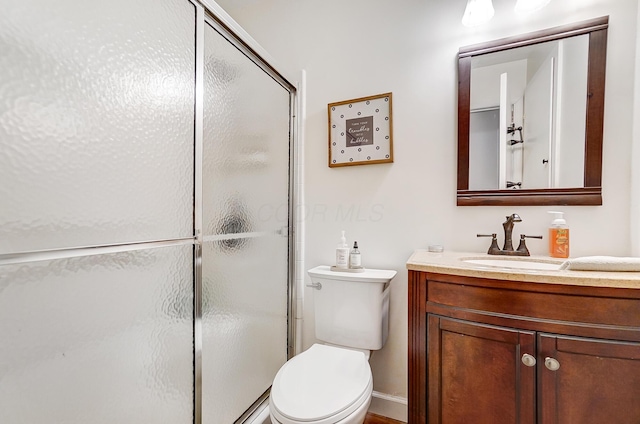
(360, 131)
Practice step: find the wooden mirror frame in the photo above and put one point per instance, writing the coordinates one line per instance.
(591, 193)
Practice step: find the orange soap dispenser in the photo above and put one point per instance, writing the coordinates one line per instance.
(559, 236)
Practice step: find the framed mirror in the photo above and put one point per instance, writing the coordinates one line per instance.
(530, 118)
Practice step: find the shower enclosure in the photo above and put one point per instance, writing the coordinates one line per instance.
(145, 214)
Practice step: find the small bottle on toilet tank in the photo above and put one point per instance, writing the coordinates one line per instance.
(355, 260)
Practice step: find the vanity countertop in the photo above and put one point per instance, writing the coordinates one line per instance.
(453, 263)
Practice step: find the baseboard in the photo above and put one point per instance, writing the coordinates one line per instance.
(389, 406)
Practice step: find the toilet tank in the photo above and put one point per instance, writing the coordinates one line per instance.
(352, 308)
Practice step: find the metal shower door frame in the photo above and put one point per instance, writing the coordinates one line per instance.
(209, 13)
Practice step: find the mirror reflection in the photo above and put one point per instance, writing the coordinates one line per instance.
(530, 117)
(527, 116)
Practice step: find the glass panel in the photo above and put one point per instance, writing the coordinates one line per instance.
(245, 215)
(96, 122)
(98, 339)
(244, 324)
(246, 147)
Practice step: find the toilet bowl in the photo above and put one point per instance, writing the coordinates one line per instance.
(323, 385)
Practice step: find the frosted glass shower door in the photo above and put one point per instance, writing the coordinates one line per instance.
(96, 211)
(245, 227)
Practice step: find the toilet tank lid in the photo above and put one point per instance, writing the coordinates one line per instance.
(368, 276)
(321, 382)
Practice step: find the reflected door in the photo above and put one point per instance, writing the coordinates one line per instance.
(245, 229)
(538, 127)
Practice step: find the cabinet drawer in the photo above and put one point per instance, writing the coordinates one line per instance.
(604, 311)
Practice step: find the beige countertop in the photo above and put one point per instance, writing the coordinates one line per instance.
(454, 263)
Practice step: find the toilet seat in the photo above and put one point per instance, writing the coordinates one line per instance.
(322, 385)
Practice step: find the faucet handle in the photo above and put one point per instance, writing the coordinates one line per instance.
(522, 247)
(493, 249)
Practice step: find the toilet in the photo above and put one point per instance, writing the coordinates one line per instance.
(331, 382)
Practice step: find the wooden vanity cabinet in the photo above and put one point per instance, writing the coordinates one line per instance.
(475, 373)
(500, 352)
(598, 381)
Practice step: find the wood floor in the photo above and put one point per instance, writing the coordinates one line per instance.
(377, 419)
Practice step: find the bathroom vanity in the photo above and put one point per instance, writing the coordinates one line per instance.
(517, 343)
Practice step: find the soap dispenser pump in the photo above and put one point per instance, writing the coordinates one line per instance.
(558, 236)
(342, 253)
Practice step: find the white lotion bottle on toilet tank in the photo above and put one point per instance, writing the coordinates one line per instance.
(342, 253)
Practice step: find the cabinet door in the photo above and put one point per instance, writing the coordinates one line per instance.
(596, 381)
(475, 373)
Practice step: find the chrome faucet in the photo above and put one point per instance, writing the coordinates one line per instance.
(507, 249)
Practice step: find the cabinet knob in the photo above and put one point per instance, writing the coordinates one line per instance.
(551, 364)
(528, 360)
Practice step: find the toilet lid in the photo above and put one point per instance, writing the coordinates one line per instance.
(319, 383)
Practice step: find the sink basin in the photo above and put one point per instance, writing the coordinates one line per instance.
(515, 263)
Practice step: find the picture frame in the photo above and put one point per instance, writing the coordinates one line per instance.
(361, 131)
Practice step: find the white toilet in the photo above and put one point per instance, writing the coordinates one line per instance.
(331, 383)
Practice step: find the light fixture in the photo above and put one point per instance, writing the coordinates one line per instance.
(481, 11)
(526, 6)
(477, 12)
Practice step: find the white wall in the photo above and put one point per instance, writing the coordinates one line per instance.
(635, 158)
(483, 147)
(358, 48)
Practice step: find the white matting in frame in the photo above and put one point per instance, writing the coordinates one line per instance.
(360, 131)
